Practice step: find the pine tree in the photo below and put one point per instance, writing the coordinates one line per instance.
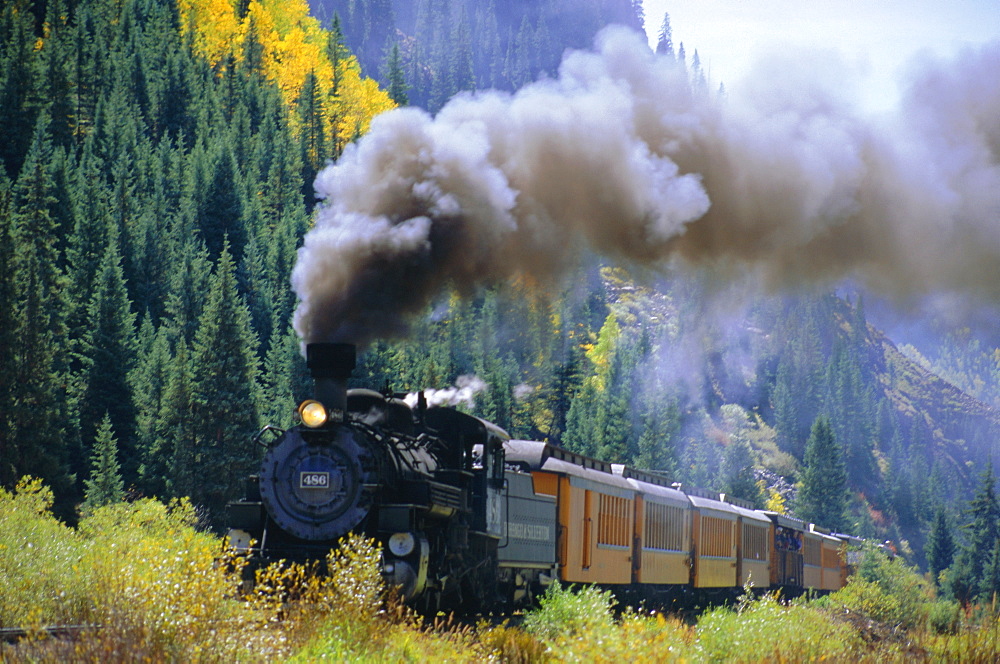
(580, 427)
(520, 66)
(312, 133)
(337, 51)
(40, 423)
(395, 77)
(823, 496)
(54, 80)
(149, 268)
(660, 428)
(18, 73)
(220, 203)
(286, 380)
(149, 381)
(639, 12)
(968, 578)
(940, 547)
(614, 438)
(86, 70)
(698, 79)
(566, 381)
(497, 403)
(850, 403)
(990, 583)
(256, 288)
(89, 236)
(8, 456)
(62, 169)
(189, 281)
(176, 116)
(224, 396)
(110, 347)
(785, 409)
(702, 461)
(105, 486)
(489, 55)
(737, 472)
(463, 74)
(176, 429)
(665, 40)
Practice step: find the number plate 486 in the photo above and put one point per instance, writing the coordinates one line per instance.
(314, 480)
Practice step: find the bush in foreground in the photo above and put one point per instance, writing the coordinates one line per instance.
(766, 630)
(579, 625)
(140, 571)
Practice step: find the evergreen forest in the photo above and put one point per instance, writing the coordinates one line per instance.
(157, 167)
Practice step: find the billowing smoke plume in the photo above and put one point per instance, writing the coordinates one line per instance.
(619, 156)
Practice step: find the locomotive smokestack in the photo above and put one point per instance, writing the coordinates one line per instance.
(331, 364)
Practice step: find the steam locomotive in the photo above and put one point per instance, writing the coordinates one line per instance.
(472, 520)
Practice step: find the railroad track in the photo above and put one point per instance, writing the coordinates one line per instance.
(15, 634)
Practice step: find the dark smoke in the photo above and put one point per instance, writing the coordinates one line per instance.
(619, 156)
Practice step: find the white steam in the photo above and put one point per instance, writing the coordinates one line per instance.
(620, 157)
(462, 394)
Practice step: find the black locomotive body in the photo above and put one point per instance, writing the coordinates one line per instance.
(426, 482)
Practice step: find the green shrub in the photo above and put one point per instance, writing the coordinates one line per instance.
(139, 571)
(886, 590)
(766, 630)
(973, 644)
(511, 644)
(650, 638)
(570, 613)
(342, 614)
(338, 605)
(943, 617)
(869, 600)
(39, 561)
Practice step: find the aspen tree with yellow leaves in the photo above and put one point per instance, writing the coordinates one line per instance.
(294, 54)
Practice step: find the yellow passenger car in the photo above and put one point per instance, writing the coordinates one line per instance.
(714, 530)
(753, 559)
(833, 559)
(662, 554)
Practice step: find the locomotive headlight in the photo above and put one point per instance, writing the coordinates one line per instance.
(402, 544)
(313, 414)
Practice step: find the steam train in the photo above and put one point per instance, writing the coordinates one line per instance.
(472, 520)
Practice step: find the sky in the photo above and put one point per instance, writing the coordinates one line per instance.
(876, 39)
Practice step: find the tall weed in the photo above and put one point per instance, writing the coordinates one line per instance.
(342, 612)
(138, 572)
(766, 630)
(39, 561)
(572, 622)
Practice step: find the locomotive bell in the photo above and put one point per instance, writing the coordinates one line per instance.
(331, 365)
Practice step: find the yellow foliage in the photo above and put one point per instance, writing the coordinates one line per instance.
(775, 502)
(212, 27)
(293, 45)
(140, 570)
(601, 353)
(359, 100)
